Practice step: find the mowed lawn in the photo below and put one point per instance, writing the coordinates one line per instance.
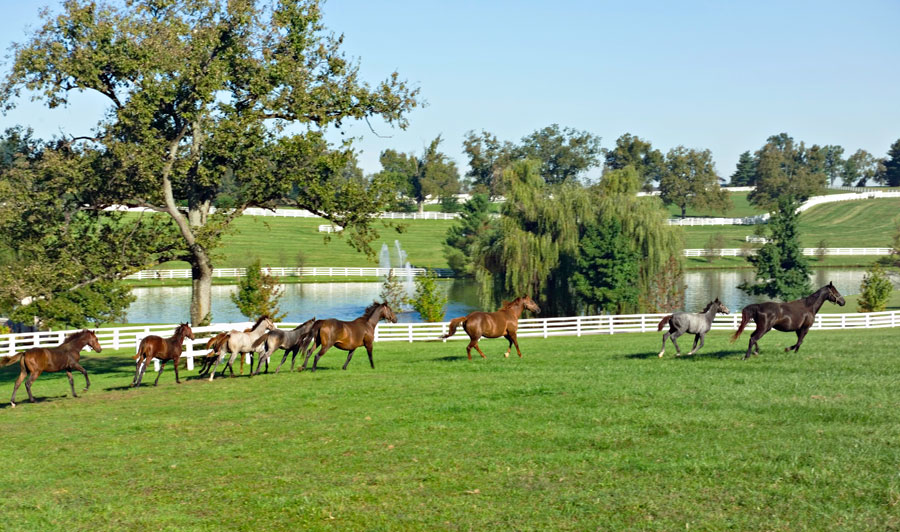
(591, 433)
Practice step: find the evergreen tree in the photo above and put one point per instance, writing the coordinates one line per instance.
(892, 166)
(875, 290)
(607, 269)
(429, 300)
(745, 173)
(781, 269)
(258, 294)
(474, 221)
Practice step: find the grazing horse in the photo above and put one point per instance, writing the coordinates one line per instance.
(797, 315)
(239, 343)
(347, 335)
(504, 322)
(688, 322)
(63, 357)
(287, 340)
(162, 349)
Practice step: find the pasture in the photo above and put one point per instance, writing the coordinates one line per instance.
(581, 434)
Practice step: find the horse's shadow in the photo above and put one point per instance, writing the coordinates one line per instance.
(21, 402)
(696, 356)
(448, 358)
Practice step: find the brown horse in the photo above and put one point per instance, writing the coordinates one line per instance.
(163, 349)
(797, 315)
(504, 322)
(63, 357)
(346, 335)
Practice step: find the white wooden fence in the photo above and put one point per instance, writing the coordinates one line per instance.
(130, 337)
(736, 252)
(325, 271)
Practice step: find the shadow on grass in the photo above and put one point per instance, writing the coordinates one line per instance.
(703, 354)
(22, 399)
(448, 358)
(95, 365)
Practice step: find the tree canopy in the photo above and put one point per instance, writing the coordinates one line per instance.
(431, 174)
(785, 168)
(689, 179)
(640, 155)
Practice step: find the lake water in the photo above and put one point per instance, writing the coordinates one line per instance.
(347, 300)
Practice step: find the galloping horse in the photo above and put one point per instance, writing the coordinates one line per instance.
(163, 349)
(63, 357)
(240, 342)
(688, 322)
(504, 322)
(287, 340)
(347, 335)
(797, 315)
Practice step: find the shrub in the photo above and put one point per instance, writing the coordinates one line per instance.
(429, 300)
(875, 290)
(258, 294)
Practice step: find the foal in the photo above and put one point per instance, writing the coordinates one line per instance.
(687, 322)
(163, 349)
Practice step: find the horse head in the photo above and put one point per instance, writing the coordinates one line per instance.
(387, 313)
(833, 295)
(720, 307)
(531, 305)
(93, 341)
(186, 331)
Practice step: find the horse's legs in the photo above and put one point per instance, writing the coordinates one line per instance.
(161, 368)
(663, 350)
(479, 349)
(87, 381)
(800, 335)
(142, 370)
(219, 359)
(137, 369)
(309, 351)
(369, 352)
(349, 356)
(754, 341)
(177, 360)
(325, 347)
(31, 378)
(697, 337)
(21, 378)
(512, 341)
(674, 336)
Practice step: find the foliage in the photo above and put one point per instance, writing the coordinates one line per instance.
(714, 245)
(821, 250)
(429, 300)
(689, 179)
(665, 290)
(875, 290)
(891, 174)
(393, 292)
(781, 269)
(859, 168)
(95, 303)
(199, 90)
(450, 203)
(487, 159)
(834, 163)
(431, 174)
(745, 173)
(258, 294)
(784, 168)
(474, 222)
(640, 155)
(565, 154)
(607, 270)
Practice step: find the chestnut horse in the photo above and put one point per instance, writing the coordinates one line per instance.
(163, 349)
(287, 340)
(346, 335)
(797, 315)
(504, 322)
(63, 357)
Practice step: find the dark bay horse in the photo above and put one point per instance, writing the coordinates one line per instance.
(347, 335)
(290, 341)
(504, 322)
(63, 357)
(797, 315)
(163, 349)
(691, 323)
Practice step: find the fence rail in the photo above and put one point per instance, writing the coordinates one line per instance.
(325, 271)
(736, 252)
(130, 337)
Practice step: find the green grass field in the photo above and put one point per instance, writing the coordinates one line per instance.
(592, 433)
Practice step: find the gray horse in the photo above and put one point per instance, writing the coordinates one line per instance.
(290, 341)
(688, 322)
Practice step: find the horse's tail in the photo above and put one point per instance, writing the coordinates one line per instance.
(663, 322)
(140, 350)
(215, 343)
(307, 342)
(259, 341)
(454, 323)
(8, 361)
(746, 315)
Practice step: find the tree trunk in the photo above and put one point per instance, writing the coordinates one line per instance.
(201, 287)
(421, 205)
(683, 212)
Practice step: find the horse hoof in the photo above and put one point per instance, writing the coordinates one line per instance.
(12, 405)
(661, 353)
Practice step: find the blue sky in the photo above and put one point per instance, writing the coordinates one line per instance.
(716, 75)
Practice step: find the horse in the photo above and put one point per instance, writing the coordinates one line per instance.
(290, 341)
(346, 335)
(163, 349)
(63, 357)
(797, 315)
(239, 343)
(504, 322)
(688, 322)
(213, 344)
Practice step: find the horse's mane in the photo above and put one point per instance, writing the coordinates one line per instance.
(706, 308)
(260, 320)
(76, 335)
(372, 308)
(507, 304)
(811, 298)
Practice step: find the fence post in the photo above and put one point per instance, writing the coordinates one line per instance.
(189, 353)
(545, 328)
(578, 326)
(611, 328)
(12, 345)
(410, 327)
(116, 338)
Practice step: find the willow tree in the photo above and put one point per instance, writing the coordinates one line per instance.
(532, 249)
(204, 91)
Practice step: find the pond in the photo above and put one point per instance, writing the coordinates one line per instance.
(347, 300)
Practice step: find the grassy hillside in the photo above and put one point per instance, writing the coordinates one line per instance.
(592, 433)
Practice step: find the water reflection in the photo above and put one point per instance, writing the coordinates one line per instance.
(347, 300)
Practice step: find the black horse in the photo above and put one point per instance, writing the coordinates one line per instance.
(797, 315)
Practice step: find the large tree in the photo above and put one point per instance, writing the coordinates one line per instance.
(891, 173)
(564, 153)
(431, 174)
(474, 221)
(689, 179)
(639, 154)
(488, 156)
(834, 163)
(203, 89)
(745, 173)
(785, 168)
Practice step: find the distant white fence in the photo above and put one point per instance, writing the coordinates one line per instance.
(301, 213)
(324, 271)
(735, 252)
(750, 220)
(130, 337)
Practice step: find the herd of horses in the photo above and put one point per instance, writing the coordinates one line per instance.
(265, 338)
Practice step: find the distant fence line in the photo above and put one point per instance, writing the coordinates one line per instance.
(316, 271)
(130, 337)
(735, 252)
